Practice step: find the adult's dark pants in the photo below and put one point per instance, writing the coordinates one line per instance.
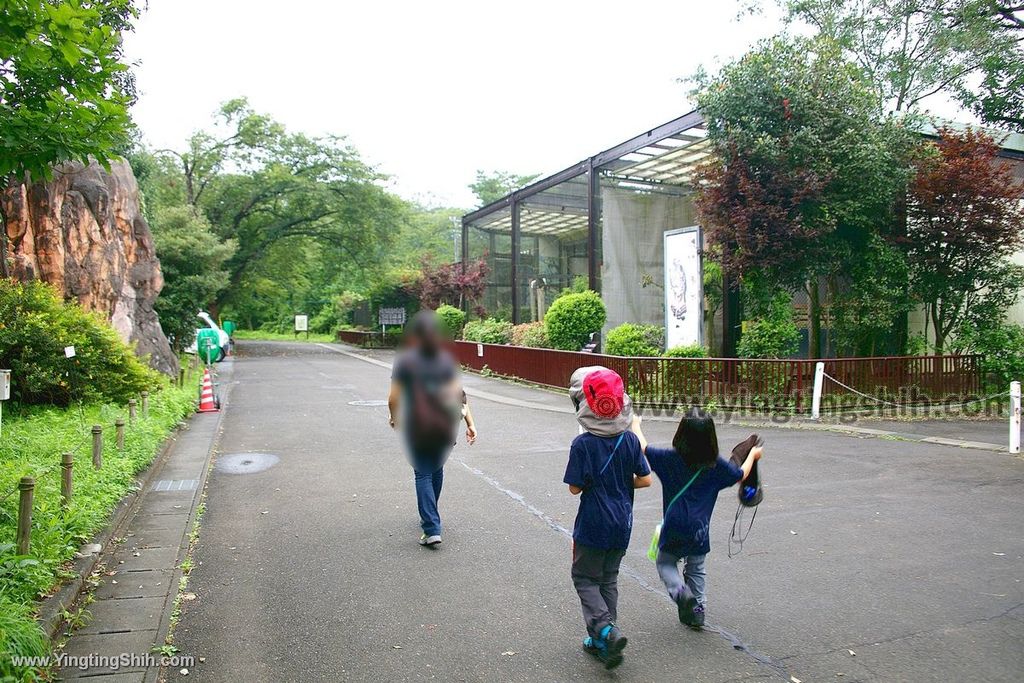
(595, 574)
(428, 472)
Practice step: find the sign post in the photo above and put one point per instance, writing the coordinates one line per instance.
(302, 325)
(1015, 417)
(5, 393)
(819, 381)
(390, 316)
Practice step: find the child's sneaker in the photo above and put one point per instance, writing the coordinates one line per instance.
(698, 617)
(598, 649)
(686, 605)
(613, 639)
(430, 541)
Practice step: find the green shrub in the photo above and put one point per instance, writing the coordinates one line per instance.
(489, 331)
(580, 284)
(776, 337)
(630, 339)
(1003, 349)
(452, 320)
(686, 351)
(572, 318)
(533, 335)
(36, 325)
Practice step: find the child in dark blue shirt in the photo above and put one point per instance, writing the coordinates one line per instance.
(692, 466)
(605, 465)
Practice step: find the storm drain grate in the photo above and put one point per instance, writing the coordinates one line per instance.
(175, 485)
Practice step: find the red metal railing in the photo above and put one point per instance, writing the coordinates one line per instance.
(740, 382)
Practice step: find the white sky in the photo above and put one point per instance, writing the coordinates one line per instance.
(429, 92)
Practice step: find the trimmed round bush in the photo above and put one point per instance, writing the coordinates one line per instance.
(686, 351)
(452, 319)
(533, 335)
(489, 331)
(36, 325)
(630, 339)
(572, 318)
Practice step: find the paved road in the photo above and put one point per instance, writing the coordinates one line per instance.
(909, 555)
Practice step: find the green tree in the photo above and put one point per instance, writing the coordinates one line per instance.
(192, 260)
(912, 49)
(64, 89)
(804, 171)
(490, 187)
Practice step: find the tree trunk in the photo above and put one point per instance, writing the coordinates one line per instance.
(813, 319)
(4, 270)
(940, 336)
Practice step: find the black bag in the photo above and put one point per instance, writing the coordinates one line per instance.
(432, 428)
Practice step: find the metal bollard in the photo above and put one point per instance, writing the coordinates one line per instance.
(97, 446)
(119, 424)
(67, 463)
(24, 538)
(131, 411)
(145, 404)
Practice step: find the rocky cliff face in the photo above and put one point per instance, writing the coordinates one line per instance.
(83, 232)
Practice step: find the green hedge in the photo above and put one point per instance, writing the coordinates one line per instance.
(533, 335)
(686, 351)
(452, 320)
(630, 339)
(36, 325)
(572, 318)
(489, 331)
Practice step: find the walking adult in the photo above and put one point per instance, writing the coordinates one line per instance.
(426, 403)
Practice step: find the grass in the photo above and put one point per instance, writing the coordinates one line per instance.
(31, 444)
(264, 335)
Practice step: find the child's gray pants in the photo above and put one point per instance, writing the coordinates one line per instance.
(595, 573)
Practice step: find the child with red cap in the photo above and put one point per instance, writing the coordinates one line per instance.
(605, 465)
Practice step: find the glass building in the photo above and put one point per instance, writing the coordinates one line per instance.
(603, 219)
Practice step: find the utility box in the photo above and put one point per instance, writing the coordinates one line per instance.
(5, 385)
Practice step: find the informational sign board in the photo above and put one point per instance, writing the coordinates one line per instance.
(69, 351)
(391, 316)
(5, 385)
(684, 285)
(302, 323)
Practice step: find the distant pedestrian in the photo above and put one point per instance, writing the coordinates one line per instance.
(605, 465)
(691, 474)
(428, 400)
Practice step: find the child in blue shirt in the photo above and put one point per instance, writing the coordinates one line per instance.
(692, 463)
(605, 465)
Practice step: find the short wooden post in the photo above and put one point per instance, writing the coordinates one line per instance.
(181, 377)
(131, 412)
(119, 424)
(145, 404)
(67, 463)
(97, 446)
(26, 487)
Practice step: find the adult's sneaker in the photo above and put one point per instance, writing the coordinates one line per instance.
(430, 541)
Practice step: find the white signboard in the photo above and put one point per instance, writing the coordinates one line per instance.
(69, 351)
(391, 316)
(302, 323)
(5, 385)
(684, 296)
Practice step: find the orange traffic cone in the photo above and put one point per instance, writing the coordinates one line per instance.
(207, 401)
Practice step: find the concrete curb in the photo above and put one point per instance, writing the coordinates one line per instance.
(848, 430)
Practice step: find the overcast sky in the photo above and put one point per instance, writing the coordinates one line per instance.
(429, 92)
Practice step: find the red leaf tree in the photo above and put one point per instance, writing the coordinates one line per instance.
(452, 283)
(964, 219)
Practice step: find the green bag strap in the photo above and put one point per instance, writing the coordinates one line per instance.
(681, 492)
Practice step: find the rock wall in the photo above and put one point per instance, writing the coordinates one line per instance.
(83, 232)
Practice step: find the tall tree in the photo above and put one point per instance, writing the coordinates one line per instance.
(912, 49)
(804, 171)
(64, 88)
(490, 187)
(964, 220)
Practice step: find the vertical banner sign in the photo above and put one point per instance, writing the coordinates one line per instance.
(684, 287)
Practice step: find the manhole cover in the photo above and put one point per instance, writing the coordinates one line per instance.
(374, 404)
(245, 463)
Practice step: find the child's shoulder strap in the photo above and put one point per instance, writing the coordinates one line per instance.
(683, 490)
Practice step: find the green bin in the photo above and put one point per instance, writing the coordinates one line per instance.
(208, 345)
(229, 326)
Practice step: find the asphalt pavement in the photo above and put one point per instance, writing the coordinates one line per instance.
(870, 559)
